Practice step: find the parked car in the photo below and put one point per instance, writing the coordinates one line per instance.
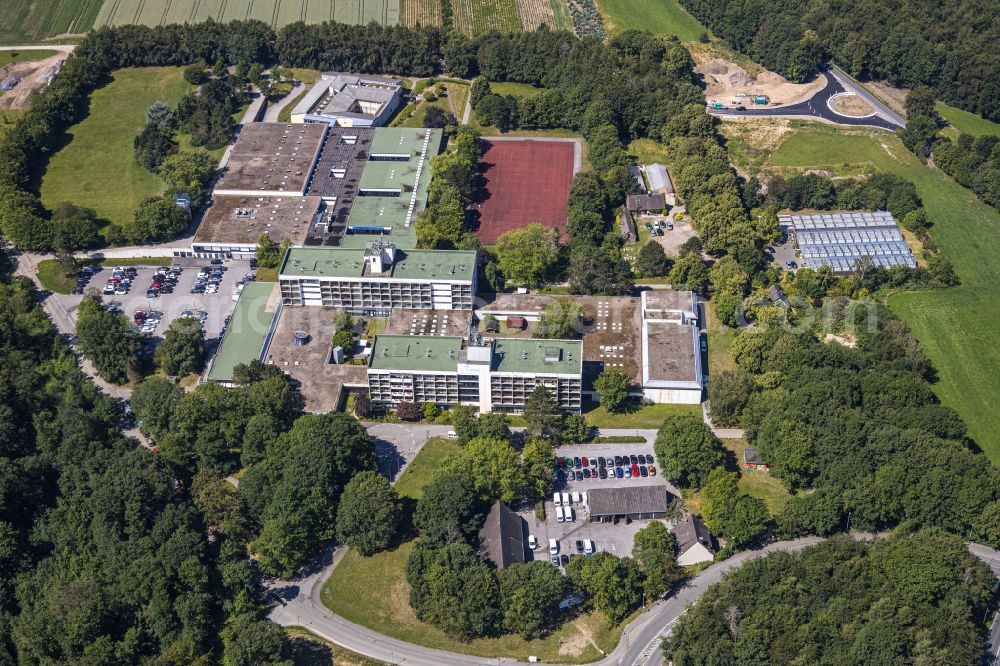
(576, 462)
(635, 470)
(586, 472)
(643, 472)
(532, 542)
(652, 470)
(216, 262)
(670, 226)
(579, 475)
(603, 473)
(579, 546)
(619, 473)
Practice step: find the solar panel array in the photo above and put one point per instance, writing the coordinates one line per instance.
(838, 240)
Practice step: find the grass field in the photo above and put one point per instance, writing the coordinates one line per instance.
(965, 122)
(646, 416)
(755, 483)
(97, 169)
(276, 13)
(11, 57)
(959, 328)
(28, 21)
(719, 340)
(648, 151)
(661, 17)
(52, 278)
(517, 89)
(372, 591)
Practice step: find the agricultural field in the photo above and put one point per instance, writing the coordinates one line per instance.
(28, 21)
(276, 13)
(661, 17)
(424, 12)
(474, 17)
(114, 184)
(959, 328)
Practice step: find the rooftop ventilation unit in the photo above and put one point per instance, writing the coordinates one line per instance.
(300, 338)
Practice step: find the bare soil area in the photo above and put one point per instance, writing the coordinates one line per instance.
(893, 97)
(730, 84)
(851, 105)
(34, 76)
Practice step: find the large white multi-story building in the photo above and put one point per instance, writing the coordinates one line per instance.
(494, 375)
(372, 281)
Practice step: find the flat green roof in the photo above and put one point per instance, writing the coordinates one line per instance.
(457, 265)
(245, 336)
(415, 353)
(391, 211)
(533, 356)
(395, 140)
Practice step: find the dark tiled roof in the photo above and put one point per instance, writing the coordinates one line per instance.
(629, 500)
(501, 538)
(751, 457)
(646, 202)
(689, 531)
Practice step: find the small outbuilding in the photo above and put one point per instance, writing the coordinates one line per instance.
(752, 459)
(491, 326)
(694, 541)
(634, 502)
(517, 323)
(501, 538)
(777, 296)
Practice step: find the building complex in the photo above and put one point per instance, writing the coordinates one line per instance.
(349, 100)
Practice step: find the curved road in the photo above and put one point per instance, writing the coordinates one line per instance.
(302, 606)
(817, 106)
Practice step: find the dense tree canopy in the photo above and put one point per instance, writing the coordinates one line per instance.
(687, 451)
(911, 598)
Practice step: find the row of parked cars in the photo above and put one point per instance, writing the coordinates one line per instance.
(208, 280)
(146, 321)
(83, 279)
(579, 468)
(163, 281)
(120, 282)
(656, 228)
(583, 547)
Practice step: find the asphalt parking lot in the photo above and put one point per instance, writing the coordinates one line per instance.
(616, 539)
(218, 306)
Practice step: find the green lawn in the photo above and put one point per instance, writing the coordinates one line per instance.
(959, 328)
(646, 416)
(647, 151)
(28, 21)
(11, 57)
(518, 89)
(966, 122)
(759, 483)
(285, 115)
(719, 340)
(52, 278)
(372, 591)
(661, 17)
(97, 169)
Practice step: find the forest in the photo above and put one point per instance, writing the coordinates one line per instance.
(953, 47)
(910, 599)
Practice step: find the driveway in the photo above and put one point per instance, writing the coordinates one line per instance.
(817, 107)
(397, 444)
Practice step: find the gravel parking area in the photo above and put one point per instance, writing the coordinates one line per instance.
(616, 539)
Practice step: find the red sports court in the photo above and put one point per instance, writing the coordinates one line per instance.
(524, 182)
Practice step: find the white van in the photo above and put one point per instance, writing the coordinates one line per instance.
(556, 499)
(560, 514)
(568, 514)
(576, 497)
(553, 547)
(565, 499)
(452, 434)
(588, 547)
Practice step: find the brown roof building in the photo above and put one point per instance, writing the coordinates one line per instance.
(272, 159)
(606, 504)
(501, 538)
(694, 541)
(638, 203)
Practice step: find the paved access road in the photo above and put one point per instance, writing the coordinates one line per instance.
(818, 106)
